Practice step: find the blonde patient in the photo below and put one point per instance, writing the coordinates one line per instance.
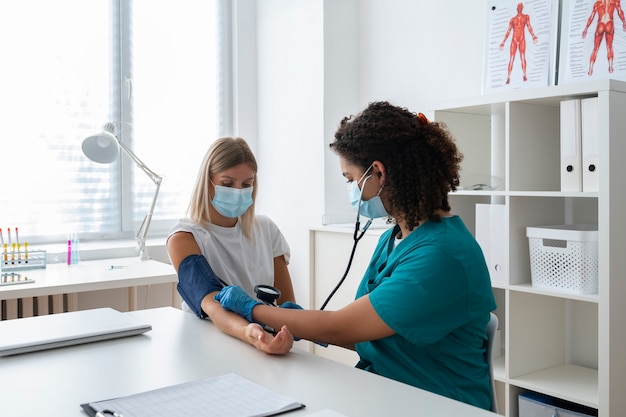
(224, 242)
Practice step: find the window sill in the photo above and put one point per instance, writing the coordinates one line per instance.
(104, 249)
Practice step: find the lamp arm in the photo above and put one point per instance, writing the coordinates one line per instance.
(145, 224)
(153, 176)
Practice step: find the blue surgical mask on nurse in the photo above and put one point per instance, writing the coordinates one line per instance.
(372, 208)
(231, 202)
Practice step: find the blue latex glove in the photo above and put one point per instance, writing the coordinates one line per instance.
(196, 279)
(289, 304)
(233, 298)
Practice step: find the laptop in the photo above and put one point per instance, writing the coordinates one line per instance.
(65, 329)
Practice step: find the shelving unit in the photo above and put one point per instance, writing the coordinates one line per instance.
(565, 345)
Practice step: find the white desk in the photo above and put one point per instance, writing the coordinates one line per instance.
(61, 278)
(181, 348)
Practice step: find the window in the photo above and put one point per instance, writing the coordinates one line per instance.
(152, 67)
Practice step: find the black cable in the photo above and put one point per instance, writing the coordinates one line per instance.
(357, 237)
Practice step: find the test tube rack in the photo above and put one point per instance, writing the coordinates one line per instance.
(13, 278)
(22, 259)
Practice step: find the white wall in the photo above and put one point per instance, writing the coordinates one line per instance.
(418, 53)
(320, 60)
(291, 123)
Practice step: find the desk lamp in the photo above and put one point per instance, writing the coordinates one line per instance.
(104, 148)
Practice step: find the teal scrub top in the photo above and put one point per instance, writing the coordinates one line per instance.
(433, 289)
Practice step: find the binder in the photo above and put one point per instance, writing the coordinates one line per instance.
(589, 137)
(490, 235)
(571, 161)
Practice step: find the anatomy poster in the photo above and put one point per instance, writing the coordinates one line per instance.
(593, 41)
(520, 50)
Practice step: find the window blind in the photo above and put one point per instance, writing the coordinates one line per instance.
(148, 66)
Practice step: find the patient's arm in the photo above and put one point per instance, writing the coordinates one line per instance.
(181, 246)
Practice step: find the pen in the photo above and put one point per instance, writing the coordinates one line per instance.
(9, 233)
(1, 238)
(17, 238)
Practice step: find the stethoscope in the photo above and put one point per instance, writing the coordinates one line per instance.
(358, 234)
(269, 294)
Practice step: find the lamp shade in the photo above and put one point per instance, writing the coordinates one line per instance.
(102, 148)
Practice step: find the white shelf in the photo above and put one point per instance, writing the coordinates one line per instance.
(564, 344)
(569, 382)
(495, 193)
(528, 288)
(546, 96)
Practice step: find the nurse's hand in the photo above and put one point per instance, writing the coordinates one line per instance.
(289, 304)
(266, 342)
(233, 298)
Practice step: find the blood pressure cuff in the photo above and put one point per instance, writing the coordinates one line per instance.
(196, 279)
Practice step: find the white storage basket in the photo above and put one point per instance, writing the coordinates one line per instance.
(564, 257)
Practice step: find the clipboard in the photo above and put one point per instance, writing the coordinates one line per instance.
(229, 395)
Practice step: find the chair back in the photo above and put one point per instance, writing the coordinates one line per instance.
(492, 326)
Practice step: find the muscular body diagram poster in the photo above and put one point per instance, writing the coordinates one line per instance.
(593, 41)
(520, 50)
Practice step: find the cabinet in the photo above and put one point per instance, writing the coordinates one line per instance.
(564, 345)
(330, 251)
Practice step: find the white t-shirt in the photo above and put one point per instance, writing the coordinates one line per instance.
(233, 257)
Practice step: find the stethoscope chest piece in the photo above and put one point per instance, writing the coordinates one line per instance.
(267, 294)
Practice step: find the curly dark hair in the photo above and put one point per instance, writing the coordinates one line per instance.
(421, 159)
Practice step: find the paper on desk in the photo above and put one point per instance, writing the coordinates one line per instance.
(229, 395)
(326, 413)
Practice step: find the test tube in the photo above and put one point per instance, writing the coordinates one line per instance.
(75, 248)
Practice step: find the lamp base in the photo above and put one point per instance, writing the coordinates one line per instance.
(143, 254)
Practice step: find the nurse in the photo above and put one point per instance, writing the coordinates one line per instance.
(421, 310)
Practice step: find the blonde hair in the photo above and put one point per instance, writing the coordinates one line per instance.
(223, 154)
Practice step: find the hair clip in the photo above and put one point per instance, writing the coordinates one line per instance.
(423, 119)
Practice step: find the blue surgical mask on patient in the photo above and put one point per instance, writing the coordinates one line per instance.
(372, 208)
(232, 202)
